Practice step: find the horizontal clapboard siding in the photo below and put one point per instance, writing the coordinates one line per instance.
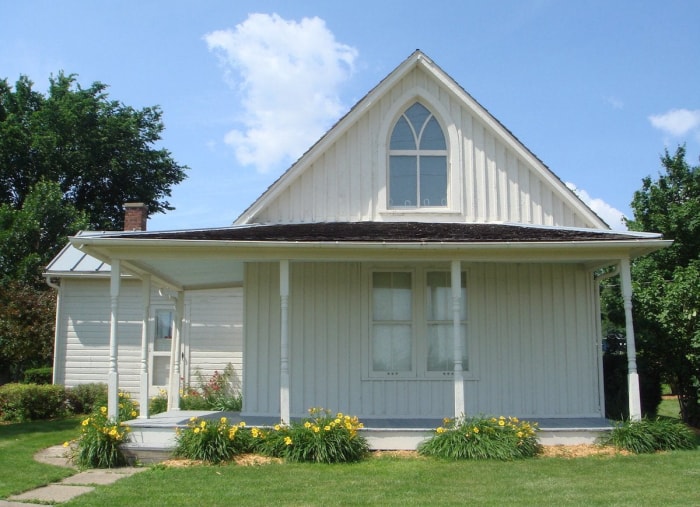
(495, 183)
(532, 342)
(212, 334)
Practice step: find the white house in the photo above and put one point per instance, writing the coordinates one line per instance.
(417, 262)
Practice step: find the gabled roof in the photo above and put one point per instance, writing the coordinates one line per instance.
(417, 58)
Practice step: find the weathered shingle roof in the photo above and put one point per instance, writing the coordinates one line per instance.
(386, 232)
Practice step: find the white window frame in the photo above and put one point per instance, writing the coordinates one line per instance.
(418, 154)
(152, 352)
(419, 325)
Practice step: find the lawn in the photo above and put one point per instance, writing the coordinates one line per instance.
(662, 479)
(18, 443)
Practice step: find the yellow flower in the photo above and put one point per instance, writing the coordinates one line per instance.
(232, 433)
(501, 422)
(103, 410)
(307, 425)
(223, 420)
(196, 430)
(287, 440)
(241, 424)
(121, 405)
(255, 432)
(446, 420)
(66, 444)
(339, 415)
(316, 429)
(203, 424)
(337, 420)
(440, 430)
(475, 429)
(326, 428)
(277, 427)
(519, 434)
(86, 421)
(134, 413)
(113, 432)
(193, 418)
(121, 394)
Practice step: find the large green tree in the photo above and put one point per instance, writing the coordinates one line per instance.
(667, 283)
(101, 152)
(69, 160)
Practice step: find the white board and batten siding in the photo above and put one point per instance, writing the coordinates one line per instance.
(212, 334)
(491, 178)
(540, 361)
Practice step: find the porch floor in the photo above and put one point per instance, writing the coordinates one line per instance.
(156, 435)
(174, 419)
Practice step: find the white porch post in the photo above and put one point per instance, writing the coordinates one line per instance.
(175, 351)
(113, 374)
(284, 341)
(635, 404)
(456, 272)
(143, 377)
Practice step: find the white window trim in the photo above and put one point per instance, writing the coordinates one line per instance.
(420, 328)
(454, 157)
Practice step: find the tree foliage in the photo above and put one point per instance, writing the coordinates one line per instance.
(101, 152)
(69, 160)
(667, 282)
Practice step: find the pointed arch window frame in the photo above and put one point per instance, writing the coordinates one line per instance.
(418, 161)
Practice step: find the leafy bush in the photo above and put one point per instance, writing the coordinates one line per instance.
(482, 438)
(100, 436)
(26, 402)
(218, 392)
(159, 403)
(213, 442)
(651, 435)
(85, 398)
(38, 375)
(322, 438)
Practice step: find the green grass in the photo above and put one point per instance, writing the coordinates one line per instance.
(669, 408)
(18, 443)
(660, 479)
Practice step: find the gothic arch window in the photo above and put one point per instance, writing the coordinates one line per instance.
(417, 161)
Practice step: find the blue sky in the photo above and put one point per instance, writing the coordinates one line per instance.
(596, 89)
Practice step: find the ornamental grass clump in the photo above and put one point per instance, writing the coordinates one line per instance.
(101, 436)
(651, 435)
(213, 441)
(503, 438)
(321, 438)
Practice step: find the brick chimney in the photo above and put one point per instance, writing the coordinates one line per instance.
(135, 216)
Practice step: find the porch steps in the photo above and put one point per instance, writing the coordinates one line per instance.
(153, 440)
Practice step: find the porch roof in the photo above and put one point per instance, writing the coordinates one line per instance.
(210, 258)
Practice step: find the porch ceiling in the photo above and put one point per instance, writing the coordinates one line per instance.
(215, 258)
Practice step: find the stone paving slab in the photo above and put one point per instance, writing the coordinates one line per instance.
(101, 476)
(54, 493)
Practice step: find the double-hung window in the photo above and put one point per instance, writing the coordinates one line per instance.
(412, 324)
(417, 161)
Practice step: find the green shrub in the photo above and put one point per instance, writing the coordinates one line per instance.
(482, 438)
(219, 392)
(39, 375)
(322, 438)
(651, 435)
(212, 442)
(85, 398)
(27, 402)
(158, 403)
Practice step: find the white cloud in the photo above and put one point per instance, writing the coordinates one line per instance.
(614, 102)
(611, 215)
(677, 122)
(289, 74)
